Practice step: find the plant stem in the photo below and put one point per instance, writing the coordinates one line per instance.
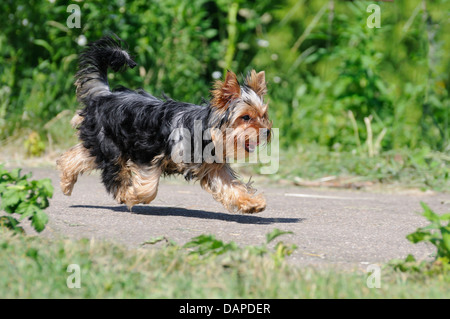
(309, 28)
(232, 35)
(355, 129)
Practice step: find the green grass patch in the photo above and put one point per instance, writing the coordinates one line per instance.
(35, 267)
(422, 169)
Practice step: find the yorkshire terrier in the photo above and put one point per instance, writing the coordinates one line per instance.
(130, 135)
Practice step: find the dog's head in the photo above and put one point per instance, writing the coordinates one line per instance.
(241, 113)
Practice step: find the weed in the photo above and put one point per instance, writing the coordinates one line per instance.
(34, 145)
(27, 198)
(208, 245)
(436, 233)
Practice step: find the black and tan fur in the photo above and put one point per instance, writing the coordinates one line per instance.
(126, 133)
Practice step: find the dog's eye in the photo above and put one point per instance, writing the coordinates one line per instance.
(246, 118)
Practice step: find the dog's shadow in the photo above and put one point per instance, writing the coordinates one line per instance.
(195, 213)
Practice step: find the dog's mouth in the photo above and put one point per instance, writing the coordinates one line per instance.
(250, 146)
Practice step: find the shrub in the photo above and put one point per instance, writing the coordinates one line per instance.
(23, 197)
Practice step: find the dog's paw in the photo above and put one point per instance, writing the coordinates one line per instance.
(251, 205)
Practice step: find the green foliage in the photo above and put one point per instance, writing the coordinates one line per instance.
(27, 198)
(208, 245)
(281, 250)
(325, 62)
(177, 44)
(114, 271)
(34, 145)
(332, 80)
(437, 233)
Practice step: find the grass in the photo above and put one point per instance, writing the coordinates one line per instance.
(419, 169)
(35, 267)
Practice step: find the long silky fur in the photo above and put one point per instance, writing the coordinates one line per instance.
(127, 133)
(124, 124)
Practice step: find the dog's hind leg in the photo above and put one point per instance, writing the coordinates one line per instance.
(140, 187)
(77, 160)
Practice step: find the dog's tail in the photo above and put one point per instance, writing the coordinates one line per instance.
(91, 79)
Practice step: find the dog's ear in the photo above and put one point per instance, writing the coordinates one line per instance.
(226, 91)
(257, 82)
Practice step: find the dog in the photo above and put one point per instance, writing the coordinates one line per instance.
(133, 137)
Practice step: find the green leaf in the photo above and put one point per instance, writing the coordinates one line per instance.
(276, 233)
(445, 217)
(39, 220)
(429, 214)
(15, 173)
(208, 244)
(26, 209)
(257, 250)
(446, 239)
(154, 240)
(211, 33)
(418, 236)
(11, 197)
(45, 44)
(47, 187)
(11, 223)
(8, 221)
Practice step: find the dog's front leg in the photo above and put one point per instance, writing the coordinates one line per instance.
(233, 194)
